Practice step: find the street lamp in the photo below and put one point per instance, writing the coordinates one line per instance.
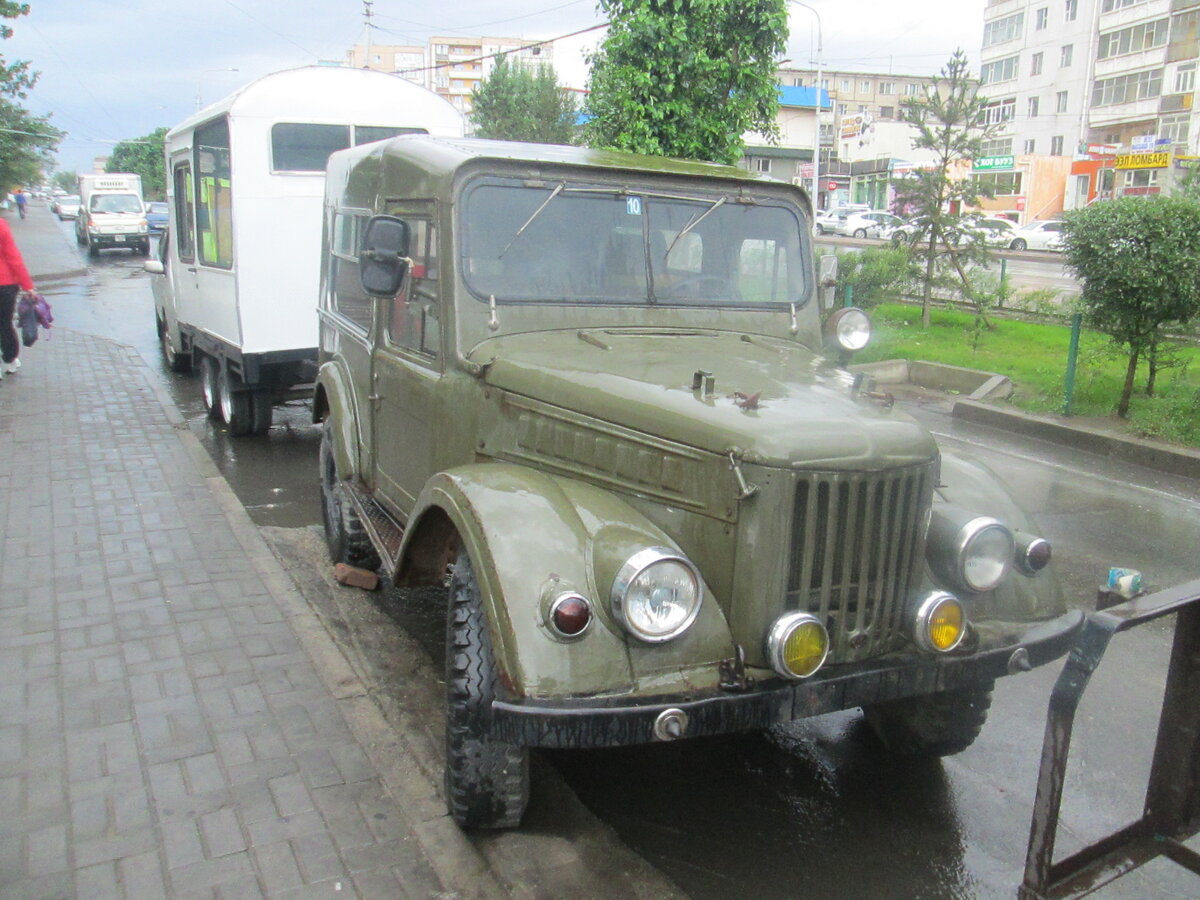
(200, 80)
(816, 188)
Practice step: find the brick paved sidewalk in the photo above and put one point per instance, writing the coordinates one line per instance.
(163, 729)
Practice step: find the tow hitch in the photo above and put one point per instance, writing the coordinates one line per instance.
(1172, 810)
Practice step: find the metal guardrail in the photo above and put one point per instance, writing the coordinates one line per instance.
(1172, 810)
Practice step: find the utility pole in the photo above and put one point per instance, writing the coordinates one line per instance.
(816, 183)
(367, 13)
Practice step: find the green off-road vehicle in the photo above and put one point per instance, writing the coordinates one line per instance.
(589, 391)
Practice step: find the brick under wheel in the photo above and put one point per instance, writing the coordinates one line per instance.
(940, 724)
(345, 534)
(487, 781)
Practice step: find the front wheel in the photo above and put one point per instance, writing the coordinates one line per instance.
(487, 781)
(176, 361)
(940, 724)
(209, 387)
(345, 534)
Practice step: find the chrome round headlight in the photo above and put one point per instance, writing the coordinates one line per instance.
(985, 551)
(849, 329)
(938, 622)
(656, 595)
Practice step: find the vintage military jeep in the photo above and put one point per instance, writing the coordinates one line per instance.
(587, 391)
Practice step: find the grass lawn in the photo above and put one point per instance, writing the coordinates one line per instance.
(1034, 356)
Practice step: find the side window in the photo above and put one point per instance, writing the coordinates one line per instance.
(185, 237)
(346, 294)
(414, 322)
(303, 147)
(214, 206)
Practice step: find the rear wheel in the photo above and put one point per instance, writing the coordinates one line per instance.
(860, 232)
(1018, 244)
(235, 403)
(262, 411)
(487, 781)
(345, 534)
(940, 724)
(209, 387)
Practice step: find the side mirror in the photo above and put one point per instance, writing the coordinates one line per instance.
(154, 267)
(826, 282)
(383, 260)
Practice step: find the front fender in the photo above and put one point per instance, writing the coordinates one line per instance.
(531, 536)
(970, 484)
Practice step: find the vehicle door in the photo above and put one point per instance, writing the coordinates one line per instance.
(184, 283)
(408, 367)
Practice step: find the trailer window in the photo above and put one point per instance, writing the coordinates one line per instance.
(365, 134)
(214, 205)
(303, 147)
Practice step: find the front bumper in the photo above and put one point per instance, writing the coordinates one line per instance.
(119, 240)
(593, 722)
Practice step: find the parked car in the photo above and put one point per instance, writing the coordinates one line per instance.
(992, 230)
(603, 417)
(870, 224)
(830, 221)
(67, 207)
(1044, 234)
(156, 216)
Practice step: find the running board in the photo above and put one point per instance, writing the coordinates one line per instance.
(385, 532)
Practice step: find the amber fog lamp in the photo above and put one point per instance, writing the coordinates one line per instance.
(1033, 553)
(570, 614)
(939, 622)
(797, 645)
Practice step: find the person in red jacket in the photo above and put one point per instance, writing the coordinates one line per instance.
(14, 277)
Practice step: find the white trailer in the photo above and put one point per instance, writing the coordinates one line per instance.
(240, 261)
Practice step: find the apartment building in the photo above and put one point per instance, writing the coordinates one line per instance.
(1110, 83)
(450, 66)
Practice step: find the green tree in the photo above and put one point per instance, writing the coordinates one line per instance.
(515, 103)
(686, 78)
(27, 142)
(143, 156)
(950, 122)
(1139, 261)
(65, 181)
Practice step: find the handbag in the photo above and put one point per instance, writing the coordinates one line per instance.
(33, 310)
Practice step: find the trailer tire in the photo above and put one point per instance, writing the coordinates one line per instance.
(209, 387)
(940, 724)
(235, 403)
(345, 534)
(262, 411)
(487, 781)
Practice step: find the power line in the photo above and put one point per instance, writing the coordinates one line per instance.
(530, 45)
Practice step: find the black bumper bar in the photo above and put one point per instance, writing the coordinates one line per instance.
(599, 723)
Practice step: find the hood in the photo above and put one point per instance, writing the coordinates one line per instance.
(774, 402)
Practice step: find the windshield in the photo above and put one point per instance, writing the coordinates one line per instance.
(578, 244)
(116, 203)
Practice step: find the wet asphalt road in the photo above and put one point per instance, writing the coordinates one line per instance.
(816, 809)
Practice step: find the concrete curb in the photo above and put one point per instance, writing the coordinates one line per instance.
(1174, 460)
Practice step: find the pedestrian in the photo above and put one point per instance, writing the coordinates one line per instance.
(14, 277)
(22, 199)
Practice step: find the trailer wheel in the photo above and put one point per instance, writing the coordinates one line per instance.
(235, 403)
(262, 411)
(345, 534)
(209, 387)
(940, 724)
(487, 781)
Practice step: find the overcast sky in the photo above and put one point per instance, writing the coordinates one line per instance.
(118, 70)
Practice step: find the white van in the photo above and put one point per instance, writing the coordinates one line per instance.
(241, 259)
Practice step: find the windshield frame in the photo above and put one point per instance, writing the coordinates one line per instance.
(708, 197)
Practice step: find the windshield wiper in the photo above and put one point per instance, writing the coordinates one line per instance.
(695, 220)
(537, 212)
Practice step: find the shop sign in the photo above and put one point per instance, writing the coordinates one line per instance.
(1100, 149)
(1143, 160)
(1143, 142)
(1187, 162)
(992, 163)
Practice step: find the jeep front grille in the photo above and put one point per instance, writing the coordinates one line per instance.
(856, 550)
